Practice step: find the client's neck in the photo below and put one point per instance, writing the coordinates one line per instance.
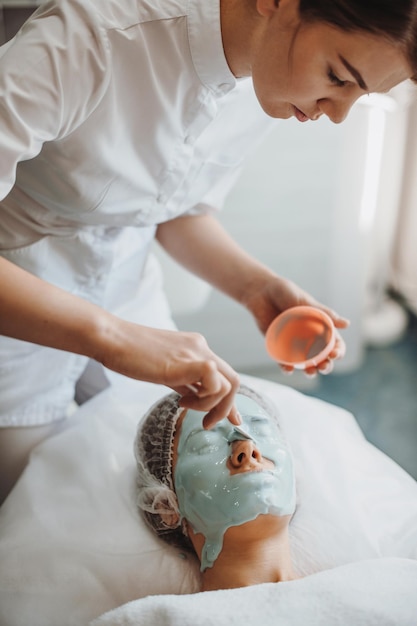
(257, 555)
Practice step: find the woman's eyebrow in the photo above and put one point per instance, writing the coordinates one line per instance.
(199, 430)
(355, 73)
(194, 432)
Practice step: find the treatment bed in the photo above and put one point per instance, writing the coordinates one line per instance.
(74, 550)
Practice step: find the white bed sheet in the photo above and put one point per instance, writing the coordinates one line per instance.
(73, 547)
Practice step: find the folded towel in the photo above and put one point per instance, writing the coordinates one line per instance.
(377, 592)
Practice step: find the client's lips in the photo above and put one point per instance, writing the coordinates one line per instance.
(301, 117)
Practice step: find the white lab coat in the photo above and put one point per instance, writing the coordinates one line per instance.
(115, 115)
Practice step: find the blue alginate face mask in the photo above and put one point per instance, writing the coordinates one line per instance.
(209, 497)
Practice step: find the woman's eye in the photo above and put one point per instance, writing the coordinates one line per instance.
(259, 421)
(203, 443)
(335, 80)
(263, 429)
(208, 449)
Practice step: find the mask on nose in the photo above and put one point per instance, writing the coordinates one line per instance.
(213, 500)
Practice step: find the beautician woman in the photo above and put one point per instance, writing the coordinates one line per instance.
(125, 120)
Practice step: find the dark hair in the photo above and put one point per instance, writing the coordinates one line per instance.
(396, 20)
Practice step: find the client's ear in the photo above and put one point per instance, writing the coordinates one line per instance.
(168, 512)
(170, 518)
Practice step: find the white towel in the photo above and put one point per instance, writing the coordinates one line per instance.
(377, 592)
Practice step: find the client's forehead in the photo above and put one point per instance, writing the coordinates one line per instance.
(250, 410)
(249, 407)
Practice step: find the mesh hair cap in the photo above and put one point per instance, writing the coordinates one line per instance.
(153, 445)
(153, 451)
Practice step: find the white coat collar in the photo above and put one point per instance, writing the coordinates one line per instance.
(204, 33)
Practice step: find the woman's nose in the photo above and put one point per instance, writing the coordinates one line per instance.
(245, 455)
(336, 109)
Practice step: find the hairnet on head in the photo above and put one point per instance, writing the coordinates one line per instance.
(155, 488)
(153, 448)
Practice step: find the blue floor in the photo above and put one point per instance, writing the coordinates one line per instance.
(382, 395)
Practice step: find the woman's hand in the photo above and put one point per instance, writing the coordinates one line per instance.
(202, 245)
(271, 295)
(36, 311)
(180, 360)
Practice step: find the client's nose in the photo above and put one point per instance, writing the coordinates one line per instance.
(245, 455)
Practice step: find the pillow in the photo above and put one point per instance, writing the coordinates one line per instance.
(73, 546)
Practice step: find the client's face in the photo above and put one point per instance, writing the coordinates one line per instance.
(230, 475)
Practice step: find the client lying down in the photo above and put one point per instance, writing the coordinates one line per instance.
(227, 493)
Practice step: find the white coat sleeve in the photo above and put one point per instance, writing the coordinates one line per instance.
(52, 75)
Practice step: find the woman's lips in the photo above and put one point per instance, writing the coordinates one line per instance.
(301, 117)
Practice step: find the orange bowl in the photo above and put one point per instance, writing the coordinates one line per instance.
(302, 336)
